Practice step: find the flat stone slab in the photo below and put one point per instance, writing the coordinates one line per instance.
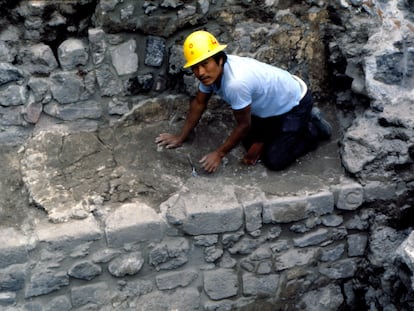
(133, 222)
(206, 212)
(87, 229)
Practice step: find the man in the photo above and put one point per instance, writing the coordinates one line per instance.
(273, 109)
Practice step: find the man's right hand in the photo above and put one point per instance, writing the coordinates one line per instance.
(168, 140)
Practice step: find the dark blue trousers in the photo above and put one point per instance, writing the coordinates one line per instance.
(285, 137)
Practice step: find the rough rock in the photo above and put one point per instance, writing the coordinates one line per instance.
(170, 254)
(74, 111)
(357, 244)
(39, 59)
(108, 82)
(127, 264)
(206, 240)
(220, 283)
(171, 280)
(85, 270)
(293, 258)
(384, 242)
(124, 58)
(94, 293)
(154, 51)
(328, 298)
(333, 253)
(245, 245)
(261, 286)
(13, 95)
(186, 299)
(66, 87)
(46, 281)
(32, 111)
(9, 73)
(72, 53)
(212, 253)
(40, 88)
(97, 45)
(345, 268)
(313, 238)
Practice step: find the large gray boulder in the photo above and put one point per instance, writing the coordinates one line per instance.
(39, 59)
(73, 53)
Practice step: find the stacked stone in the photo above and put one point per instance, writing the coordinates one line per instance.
(236, 250)
(379, 66)
(198, 253)
(66, 91)
(85, 70)
(70, 87)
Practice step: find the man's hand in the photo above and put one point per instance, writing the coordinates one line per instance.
(210, 162)
(168, 140)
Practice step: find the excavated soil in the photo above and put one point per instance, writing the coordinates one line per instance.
(122, 164)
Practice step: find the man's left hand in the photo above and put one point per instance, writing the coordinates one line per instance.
(210, 162)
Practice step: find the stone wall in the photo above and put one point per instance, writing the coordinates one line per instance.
(299, 252)
(90, 62)
(84, 65)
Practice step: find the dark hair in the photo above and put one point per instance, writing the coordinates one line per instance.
(219, 55)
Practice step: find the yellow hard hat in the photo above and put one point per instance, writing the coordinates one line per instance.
(199, 46)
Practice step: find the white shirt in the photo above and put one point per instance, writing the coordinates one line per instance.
(270, 90)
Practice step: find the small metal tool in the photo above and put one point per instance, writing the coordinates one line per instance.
(193, 169)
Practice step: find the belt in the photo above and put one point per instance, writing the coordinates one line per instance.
(303, 86)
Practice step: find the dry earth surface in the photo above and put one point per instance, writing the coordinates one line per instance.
(121, 164)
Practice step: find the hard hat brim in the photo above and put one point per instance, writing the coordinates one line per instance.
(205, 56)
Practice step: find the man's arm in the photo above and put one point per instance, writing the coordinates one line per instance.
(197, 107)
(211, 161)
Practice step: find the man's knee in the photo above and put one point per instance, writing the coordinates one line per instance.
(276, 162)
(284, 151)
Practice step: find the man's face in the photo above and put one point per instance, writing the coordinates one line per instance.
(208, 71)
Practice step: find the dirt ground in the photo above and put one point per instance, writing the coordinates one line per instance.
(315, 170)
(123, 164)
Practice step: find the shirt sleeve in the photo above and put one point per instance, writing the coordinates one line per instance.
(204, 88)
